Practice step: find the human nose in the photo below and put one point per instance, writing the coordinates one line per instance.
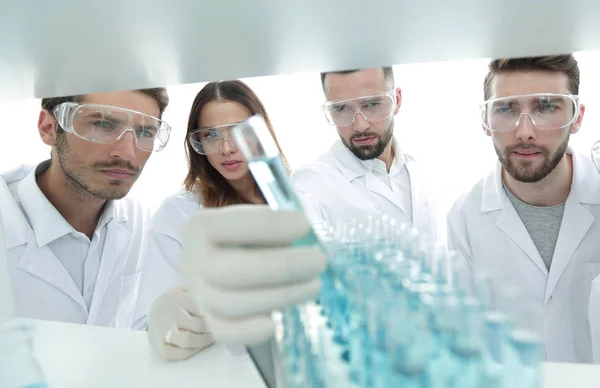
(361, 123)
(525, 127)
(125, 147)
(228, 146)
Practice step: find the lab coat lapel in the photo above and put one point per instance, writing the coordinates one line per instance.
(111, 264)
(577, 220)
(420, 210)
(509, 222)
(575, 224)
(375, 185)
(43, 263)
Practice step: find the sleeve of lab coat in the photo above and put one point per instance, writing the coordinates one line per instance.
(159, 271)
(594, 317)
(307, 187)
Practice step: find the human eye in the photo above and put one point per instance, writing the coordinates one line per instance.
(105, 125)
(148, 132)
(339, 108)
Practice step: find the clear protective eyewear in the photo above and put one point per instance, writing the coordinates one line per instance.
(373, 108)
(547, 111)
(210, 140)
(104, 124)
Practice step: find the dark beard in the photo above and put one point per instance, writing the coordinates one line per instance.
(521, 173)
(368, 152)
(74, 174)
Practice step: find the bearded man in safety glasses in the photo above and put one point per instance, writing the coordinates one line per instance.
(74, 241)
(365, 173)
(534, 221)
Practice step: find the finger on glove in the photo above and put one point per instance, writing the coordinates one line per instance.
(247, 331)
(247, 268)
(255, 225)
(181, 298)
(187, 340)
(240, 303)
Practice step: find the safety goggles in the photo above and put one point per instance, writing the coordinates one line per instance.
(105, 124)
(547, 111)
(373, 108)
(210, 140)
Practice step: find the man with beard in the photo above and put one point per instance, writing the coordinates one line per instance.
(74, 242)
(533, 222)
(365, 173)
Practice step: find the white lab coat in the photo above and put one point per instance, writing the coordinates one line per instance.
(485, 229)
(160, 271)
(42, 287)
(339, 187)
(594, 312)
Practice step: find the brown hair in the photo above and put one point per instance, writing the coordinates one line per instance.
(388, 75)
(160, 95)
(566, 64)
(214, 190)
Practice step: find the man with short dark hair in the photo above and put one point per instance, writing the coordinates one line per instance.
(365, 173)
(74, 240)
(533, 221)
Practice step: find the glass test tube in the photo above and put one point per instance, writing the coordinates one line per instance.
(253, 138)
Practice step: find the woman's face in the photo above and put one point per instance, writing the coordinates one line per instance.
(224, 155)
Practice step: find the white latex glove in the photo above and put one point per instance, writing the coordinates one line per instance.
(238, 264)
(594, 316)
(176, 330)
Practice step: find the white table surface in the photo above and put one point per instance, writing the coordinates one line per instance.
(571, 375)
(77, 356)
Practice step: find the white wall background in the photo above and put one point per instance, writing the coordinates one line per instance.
(438, 124)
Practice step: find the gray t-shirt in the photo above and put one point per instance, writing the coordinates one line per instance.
(542, 223)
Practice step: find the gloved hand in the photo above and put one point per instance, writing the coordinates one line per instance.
(238, 265)
(176, 330)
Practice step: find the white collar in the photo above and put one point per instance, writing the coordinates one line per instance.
(45, 220)
(352, 167)
(585, 185)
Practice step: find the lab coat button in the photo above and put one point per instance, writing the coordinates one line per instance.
(550, 298)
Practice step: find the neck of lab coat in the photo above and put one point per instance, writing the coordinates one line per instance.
(550, 191)
(387, 156)
(82, 213)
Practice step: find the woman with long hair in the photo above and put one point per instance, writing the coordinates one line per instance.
(218, 176)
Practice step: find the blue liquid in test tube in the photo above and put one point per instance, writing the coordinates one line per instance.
(254, 139)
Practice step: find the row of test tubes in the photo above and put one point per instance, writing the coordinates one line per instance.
(397, 310)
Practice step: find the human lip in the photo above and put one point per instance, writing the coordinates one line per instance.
(526, 153)
(119, 173)
(365, 139)
(231, 164)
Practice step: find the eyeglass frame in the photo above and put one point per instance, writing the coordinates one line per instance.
(204, 128)
(390, 93)
(572, 97)
(71, 130)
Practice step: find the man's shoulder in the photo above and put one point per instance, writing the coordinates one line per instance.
(319, 173)
(136, 212)
(470, 197)
(16, 174)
